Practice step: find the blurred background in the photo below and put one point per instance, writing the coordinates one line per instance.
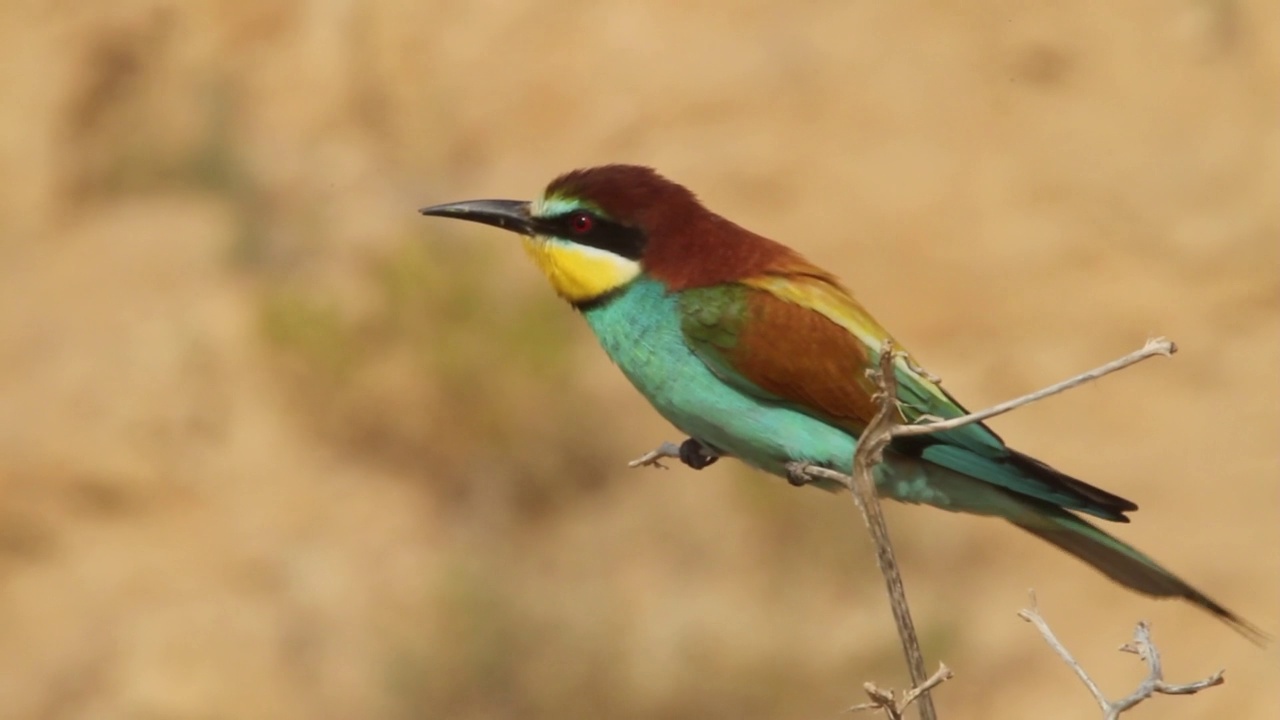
(274, 446)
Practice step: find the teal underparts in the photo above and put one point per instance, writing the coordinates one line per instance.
(639, 328)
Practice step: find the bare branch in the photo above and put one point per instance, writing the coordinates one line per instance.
(887, 701)
(1155, 347)
(654, 457)
(814, 472)
(867, 455)
(1142, 646)
(1032, 616)
(942, 675)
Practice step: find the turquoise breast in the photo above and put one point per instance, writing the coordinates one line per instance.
(640, 330)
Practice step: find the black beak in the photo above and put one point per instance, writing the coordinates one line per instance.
(510, 215)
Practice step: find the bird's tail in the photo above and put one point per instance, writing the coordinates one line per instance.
(1121, 562)
(925, 483)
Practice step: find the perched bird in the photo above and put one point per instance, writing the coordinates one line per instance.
(756, 353)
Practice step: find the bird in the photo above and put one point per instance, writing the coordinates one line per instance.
(757, 354)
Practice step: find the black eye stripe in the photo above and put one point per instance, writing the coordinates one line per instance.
(605, 235)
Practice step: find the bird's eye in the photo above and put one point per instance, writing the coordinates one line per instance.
(581, 223)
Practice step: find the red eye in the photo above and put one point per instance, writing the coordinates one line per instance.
(581, 223)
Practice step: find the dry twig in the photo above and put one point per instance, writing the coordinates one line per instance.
(1142, 646)
(867, 455)
(654, 457)
(892, 706)
(1155, 347)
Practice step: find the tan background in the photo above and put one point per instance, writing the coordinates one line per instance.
(273, 446)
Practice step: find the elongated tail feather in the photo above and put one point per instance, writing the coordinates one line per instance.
(914, 479)
(1122, 562)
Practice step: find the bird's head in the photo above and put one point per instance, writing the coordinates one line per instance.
(593, 231)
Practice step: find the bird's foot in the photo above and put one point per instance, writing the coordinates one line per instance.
(798, 473)
(691, 452)
(697, 455)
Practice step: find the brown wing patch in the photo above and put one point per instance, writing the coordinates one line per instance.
(801, 356)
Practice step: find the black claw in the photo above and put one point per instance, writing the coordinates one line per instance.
(696, 455)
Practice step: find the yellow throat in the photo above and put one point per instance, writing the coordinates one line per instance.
(580, 273)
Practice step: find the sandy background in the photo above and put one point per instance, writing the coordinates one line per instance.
(273, 446)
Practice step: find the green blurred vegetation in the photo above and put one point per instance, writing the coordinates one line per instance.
(447, 375)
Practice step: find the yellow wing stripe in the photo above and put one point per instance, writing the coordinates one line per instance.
(837, 305)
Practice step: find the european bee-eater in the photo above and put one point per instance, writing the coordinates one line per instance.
(756, 353)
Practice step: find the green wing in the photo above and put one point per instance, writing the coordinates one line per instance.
(804, 342)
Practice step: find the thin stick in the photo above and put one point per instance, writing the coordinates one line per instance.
(1142, 646)
(888, 701)
(654, 457)
(1155, 347)
(868, 454)
(1032, 615)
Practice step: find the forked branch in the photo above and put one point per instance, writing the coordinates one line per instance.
(867, 455)
(891, 704)
(1142, 646)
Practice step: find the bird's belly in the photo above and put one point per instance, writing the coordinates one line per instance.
(640, 330)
